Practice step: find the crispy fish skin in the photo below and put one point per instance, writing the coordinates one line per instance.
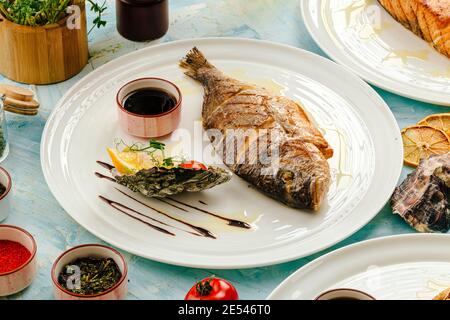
(302, 177)
(429, 19)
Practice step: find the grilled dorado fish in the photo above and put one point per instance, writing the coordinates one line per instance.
(429, 19)
(282, 153)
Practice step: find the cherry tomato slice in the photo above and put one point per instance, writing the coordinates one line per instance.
(212, 289)
(194, 165)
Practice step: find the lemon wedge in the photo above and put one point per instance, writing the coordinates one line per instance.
(130, 162)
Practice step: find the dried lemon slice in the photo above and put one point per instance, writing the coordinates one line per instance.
(439, 121)
(423, 141)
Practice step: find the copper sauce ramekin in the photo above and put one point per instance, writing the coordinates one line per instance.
(149, 126)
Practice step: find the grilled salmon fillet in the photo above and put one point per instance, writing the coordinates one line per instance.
(429, 19)
(269, 127)
(444, 295)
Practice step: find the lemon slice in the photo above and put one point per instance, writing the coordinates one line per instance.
(129, 162)
(423, 141)
(438, 121)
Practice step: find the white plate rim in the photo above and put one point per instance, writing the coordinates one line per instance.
(375, 79)
(348, 250)
(224, 264)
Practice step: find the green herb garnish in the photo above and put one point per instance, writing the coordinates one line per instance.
(168, 162)
(88, 276)
(43, 12)
(99, 9)
(155, 149)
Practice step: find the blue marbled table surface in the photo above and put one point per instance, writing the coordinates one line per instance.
(35, 209)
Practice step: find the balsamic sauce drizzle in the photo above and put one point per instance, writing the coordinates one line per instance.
(105, 165)
(117, 206)
(148, 217)
(171, 204)
(102, 176)
(201, 231)
(231, 222)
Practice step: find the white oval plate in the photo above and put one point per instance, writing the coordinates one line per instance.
(405, 267)
(361, 35)
(355, 120)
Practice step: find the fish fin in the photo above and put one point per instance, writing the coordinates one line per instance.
(193, 61)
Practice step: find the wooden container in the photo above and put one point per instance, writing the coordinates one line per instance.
(43, 55)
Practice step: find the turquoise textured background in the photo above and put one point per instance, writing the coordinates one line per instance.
(35, 209)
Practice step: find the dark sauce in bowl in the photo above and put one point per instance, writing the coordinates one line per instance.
(149, 101)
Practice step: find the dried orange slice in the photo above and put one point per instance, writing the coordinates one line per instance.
(439, 121)
(423, 141)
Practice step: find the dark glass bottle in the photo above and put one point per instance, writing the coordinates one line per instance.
(142, 20)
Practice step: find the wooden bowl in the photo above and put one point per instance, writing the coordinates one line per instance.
(43, 54)
(16, 280)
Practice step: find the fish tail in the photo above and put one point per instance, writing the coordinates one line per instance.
(193, 62)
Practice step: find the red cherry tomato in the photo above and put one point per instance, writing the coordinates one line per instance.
(194, 165)
(212, 289)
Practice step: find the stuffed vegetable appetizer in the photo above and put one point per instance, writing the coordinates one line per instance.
(146, 169)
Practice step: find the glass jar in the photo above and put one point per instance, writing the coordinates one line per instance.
(4, 145)
(142, 20)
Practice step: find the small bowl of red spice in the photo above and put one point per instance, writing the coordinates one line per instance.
(18, 262)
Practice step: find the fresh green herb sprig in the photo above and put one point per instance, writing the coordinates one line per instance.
(99, 9)
(43, 12)
(34, 12)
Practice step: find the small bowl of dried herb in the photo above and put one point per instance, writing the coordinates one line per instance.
(5, 190)
(18, 262)
(90, 272)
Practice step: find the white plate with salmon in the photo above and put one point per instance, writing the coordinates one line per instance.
(320, 156)
(402, 46)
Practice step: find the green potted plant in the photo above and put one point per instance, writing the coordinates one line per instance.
(45, 41)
